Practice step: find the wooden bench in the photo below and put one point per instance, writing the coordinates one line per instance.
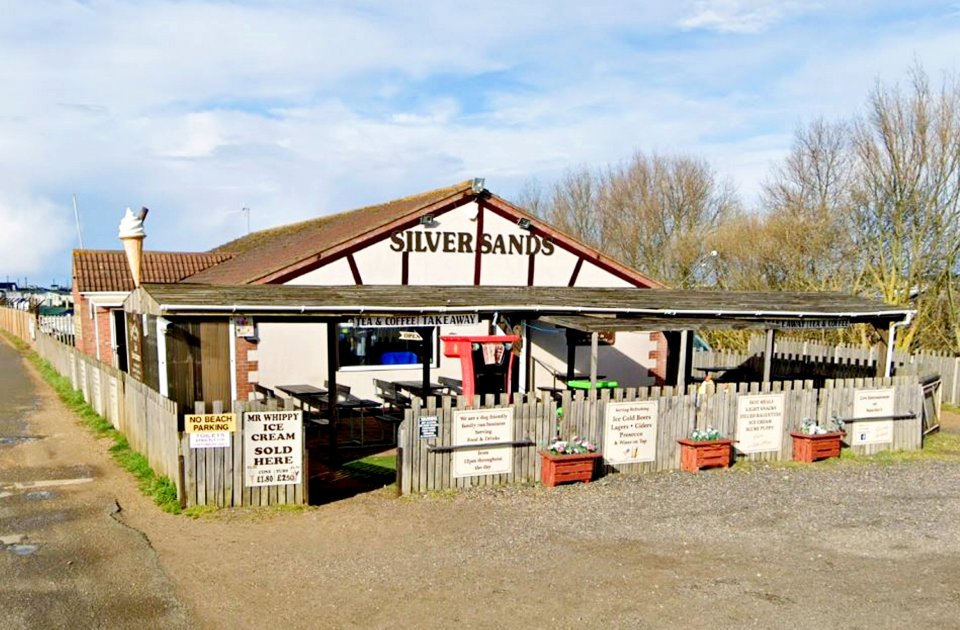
(394, 404)
(264, 391)
(454, 385)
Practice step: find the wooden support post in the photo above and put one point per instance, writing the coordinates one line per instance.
(332, 363)
(768, 355)
(571, 354)
(684, 360)
(426, 355)
(594, 345)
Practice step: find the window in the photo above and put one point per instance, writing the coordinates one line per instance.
(382, 347)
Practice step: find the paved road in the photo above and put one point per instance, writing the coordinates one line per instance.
(67, 560)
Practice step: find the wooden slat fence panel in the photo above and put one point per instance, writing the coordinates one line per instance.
(214, 476)
(425, 469)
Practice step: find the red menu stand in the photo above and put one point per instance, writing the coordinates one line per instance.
(463, 347)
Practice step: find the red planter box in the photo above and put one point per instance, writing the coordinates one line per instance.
(695, 455)
(810, 448)
(562, 468)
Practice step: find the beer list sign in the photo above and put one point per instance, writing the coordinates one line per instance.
(630, 432)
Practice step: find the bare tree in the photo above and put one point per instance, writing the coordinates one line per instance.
(658, 213)
(905, 217)
(807, 200)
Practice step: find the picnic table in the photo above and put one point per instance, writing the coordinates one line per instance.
(416, 387)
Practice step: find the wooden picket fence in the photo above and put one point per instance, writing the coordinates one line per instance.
(147, 419)
(214, 476)
(427, 464)
(843, 360)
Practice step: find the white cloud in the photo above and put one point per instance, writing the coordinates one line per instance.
(199, 108)
(33, 230)
(740, 16)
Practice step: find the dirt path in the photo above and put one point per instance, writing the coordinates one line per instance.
(67, 560)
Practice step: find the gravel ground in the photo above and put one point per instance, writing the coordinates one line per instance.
(851, 546)
(828, 545)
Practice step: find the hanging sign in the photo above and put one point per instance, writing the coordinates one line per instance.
(244, 327)
(483, 426)
(872, 403)
(806, 324)
(272, 447)
(135, 346)
(414, 321)
(760, 423)
(630, 432)
(410, 335)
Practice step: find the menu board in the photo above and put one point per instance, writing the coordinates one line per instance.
(760, 423)
(630, 432)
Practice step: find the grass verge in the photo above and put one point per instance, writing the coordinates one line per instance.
(375, 468)
(936, 447)
(161, 489)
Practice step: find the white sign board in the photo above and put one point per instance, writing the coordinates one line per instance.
(272, 447)
(760, 423)
(413, 321)
(483, 426)
(210, 430)
(630, 432)
(212, 439)
(872, 403)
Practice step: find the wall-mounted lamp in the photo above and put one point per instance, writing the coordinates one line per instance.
(524, 224)
(428, 220)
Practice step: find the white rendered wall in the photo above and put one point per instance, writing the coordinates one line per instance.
(627, 361)
(295, 353)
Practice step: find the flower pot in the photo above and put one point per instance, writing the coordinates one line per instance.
(562, 468)
(810, 448)
(695, 454)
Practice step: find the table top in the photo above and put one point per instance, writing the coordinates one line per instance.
(585, 384)
(358, 403)
(578, 376)
(417, 386)
(302, 390)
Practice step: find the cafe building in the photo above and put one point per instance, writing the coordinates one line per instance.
(459, 236)
(460, 288)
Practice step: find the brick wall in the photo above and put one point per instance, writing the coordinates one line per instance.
(93, 330)
(660, 356)
(247, 367)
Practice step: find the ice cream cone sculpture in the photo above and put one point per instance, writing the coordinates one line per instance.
(132, 235)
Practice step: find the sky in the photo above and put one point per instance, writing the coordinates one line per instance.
(298, 109)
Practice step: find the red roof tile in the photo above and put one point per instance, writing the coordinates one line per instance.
(108, 270)
(262, 253)
(277, 254)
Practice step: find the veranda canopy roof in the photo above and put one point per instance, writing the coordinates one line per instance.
(582, 308)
